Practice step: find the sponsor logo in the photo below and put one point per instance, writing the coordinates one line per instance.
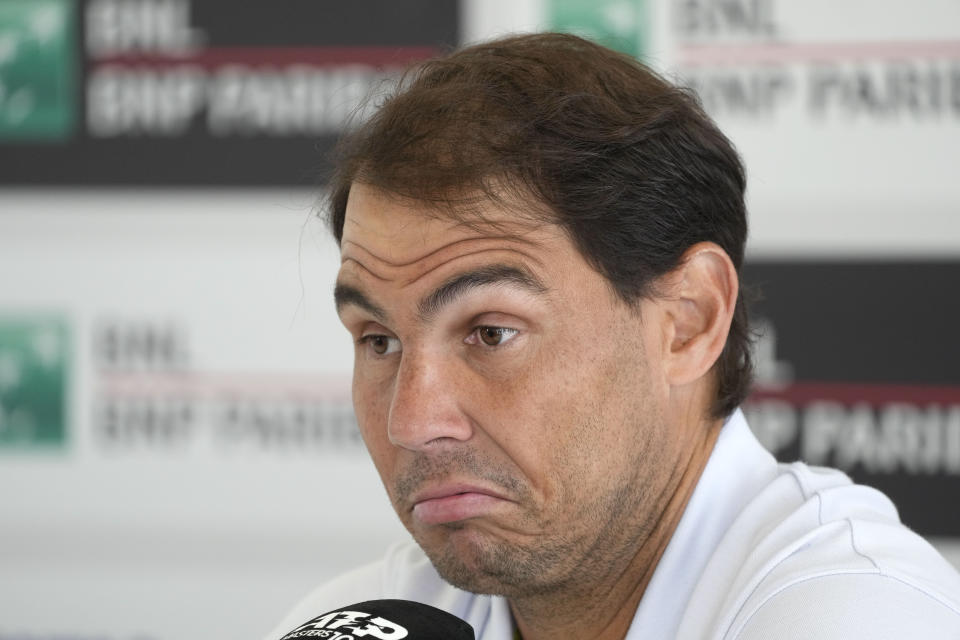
(34, 366)
(618, 24)
(346, 625)
(150, 395)
(37, 68)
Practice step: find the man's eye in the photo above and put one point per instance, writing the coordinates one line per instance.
(492, 336)
(381, 345)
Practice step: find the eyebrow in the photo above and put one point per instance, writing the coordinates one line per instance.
(447, 293)
(344, 295)
(459, 285)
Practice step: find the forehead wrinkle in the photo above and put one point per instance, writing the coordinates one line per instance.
(362, 267)
(435, 259)
(451, 246)
(520, 275)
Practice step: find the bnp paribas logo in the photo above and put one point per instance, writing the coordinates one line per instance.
(34, 373)
(37, 69)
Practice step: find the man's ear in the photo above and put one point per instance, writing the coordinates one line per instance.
(699, 301)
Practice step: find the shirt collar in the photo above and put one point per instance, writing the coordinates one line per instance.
(739, 467)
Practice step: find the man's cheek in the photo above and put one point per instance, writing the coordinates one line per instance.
(384, 457)
(533, 434)
(372, 422)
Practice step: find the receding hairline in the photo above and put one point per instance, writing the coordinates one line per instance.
(469, 207)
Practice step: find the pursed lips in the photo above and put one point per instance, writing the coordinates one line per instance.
(444, 503)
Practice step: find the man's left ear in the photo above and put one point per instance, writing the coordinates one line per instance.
(699, 301)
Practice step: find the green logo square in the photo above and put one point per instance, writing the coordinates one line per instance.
(618, 24)
(37, 69)
(34, 371)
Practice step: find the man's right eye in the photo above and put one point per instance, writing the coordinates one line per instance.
(380, 344)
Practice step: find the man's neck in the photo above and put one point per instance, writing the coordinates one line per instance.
(604, 609)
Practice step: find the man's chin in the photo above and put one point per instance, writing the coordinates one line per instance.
(472, 561)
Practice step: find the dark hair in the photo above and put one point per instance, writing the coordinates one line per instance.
(628, 164)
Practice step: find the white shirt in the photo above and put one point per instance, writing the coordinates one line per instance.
(763, 550)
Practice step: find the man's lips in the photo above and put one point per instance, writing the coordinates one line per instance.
(453, 502)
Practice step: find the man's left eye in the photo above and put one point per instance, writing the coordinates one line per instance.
(492, 336)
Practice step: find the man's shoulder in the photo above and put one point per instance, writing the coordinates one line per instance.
(404, 573)
(827, 558)
(838, 605)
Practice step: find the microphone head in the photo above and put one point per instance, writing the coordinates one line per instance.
(384, 620)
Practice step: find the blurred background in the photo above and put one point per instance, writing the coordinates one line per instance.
(178, 454)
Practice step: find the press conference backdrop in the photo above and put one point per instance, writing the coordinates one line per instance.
(178, 453)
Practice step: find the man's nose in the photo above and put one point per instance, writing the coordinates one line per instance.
(426, 407)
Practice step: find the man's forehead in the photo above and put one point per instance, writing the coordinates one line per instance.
(389, 227)
(399, 232)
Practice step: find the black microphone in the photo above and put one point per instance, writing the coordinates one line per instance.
(384, 620)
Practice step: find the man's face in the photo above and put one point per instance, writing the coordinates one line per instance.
(511, 403)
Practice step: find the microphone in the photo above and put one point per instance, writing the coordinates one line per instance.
(384, 620)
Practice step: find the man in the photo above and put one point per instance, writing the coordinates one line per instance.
(540, 244)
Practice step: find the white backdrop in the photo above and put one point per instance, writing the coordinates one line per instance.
(212, 527)
(213, 531)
